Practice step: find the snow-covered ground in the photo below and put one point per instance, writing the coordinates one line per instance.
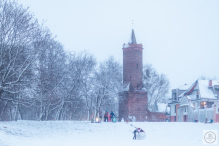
(72, 133)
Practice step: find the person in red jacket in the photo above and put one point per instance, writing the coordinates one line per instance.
(106, 115)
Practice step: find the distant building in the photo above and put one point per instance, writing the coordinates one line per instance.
(133, 103)
(196, 101)
(135, 99)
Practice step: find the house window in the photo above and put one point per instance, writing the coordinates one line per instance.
(175, 108)
(175, 118)
(174, 96)
(197, 95)
(184, 118)
(209, 104)
(137, 65)
(203, 104)
(185, 109)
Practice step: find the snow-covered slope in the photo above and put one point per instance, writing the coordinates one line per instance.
(71, 133)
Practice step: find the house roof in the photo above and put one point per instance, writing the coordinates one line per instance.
(186, 101)
(203, 87)
(204, 90)
(126, 87)
(184, 87)
(214, 83)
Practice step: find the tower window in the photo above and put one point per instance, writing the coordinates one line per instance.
(137, 65)
(130, 76)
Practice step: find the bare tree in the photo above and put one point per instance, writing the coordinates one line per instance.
(40, 81)
(79, 66)
(88, 94)
(50, 73)
(156, 85)
(21, 40)
(108, 85)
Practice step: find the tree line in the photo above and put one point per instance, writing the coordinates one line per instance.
(39, 80)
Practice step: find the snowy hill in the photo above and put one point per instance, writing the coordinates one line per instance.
(71, 133)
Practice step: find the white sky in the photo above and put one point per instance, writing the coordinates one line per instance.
(180, 38)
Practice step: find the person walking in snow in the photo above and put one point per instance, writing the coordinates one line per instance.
(137, 130)
(106, 116)
(206, 120)
(111, 116)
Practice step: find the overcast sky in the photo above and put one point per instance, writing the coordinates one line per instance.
(180, 38)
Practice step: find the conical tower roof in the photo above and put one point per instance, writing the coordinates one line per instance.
(132, 39)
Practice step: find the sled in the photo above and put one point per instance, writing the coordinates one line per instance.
(140, 136)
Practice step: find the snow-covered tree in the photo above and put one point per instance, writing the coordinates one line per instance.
(39, 80)
(156, 85)
(108, 85)
(21, 41)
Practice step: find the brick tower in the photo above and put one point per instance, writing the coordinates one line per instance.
(133, 99)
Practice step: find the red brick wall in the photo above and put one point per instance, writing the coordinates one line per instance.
(123, 106)
(138, 105)
(177, 106)
(134, 104)
(217, 117)
(157, 117)
(172, 119)
(132, 65)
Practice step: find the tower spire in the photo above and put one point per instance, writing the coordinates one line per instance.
(132, 39)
